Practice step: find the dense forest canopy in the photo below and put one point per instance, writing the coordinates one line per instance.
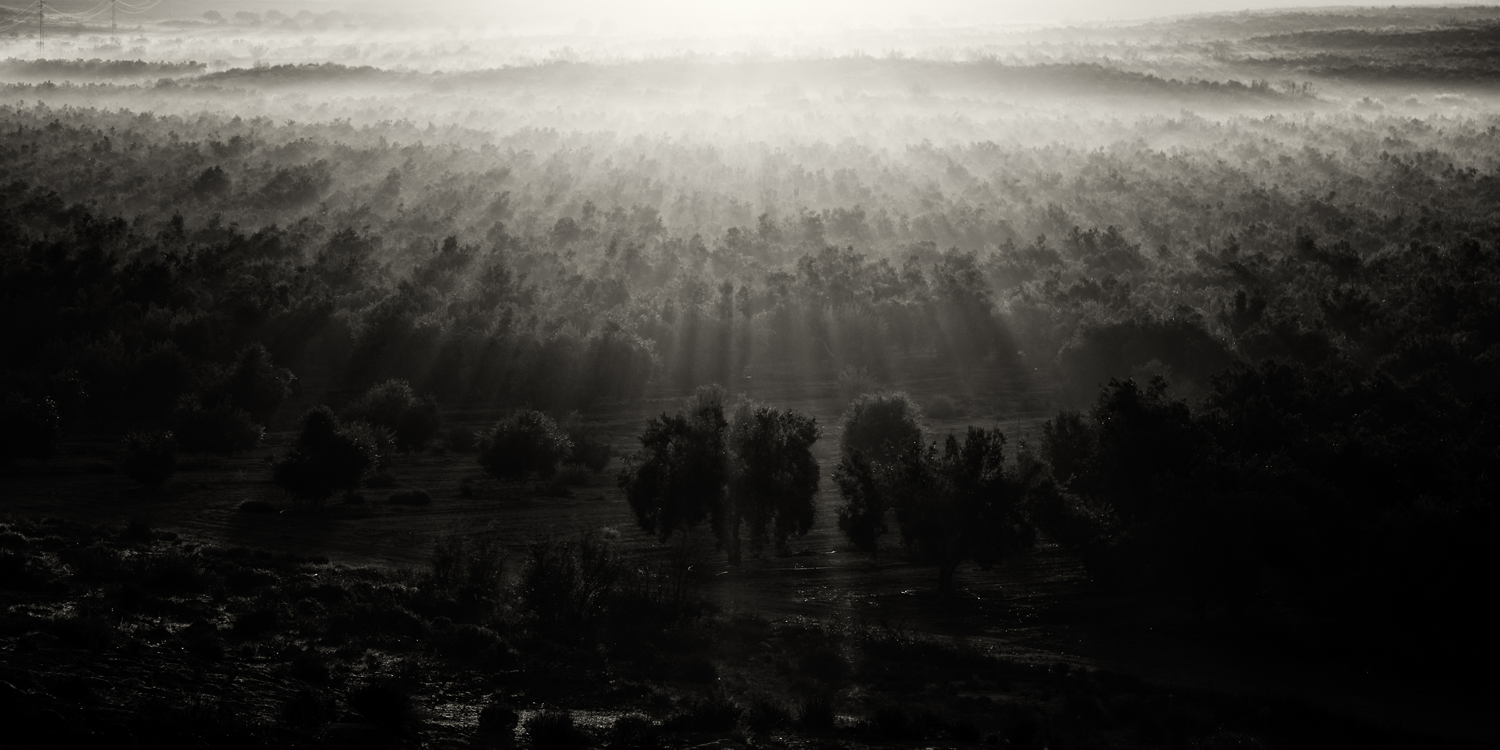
(1229, 283)
(322, 209)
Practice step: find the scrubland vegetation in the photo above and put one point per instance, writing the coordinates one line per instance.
(1231, 282)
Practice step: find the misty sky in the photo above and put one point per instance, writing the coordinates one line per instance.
(736, 16)
(746, 15)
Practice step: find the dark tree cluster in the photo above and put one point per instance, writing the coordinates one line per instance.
(951, 504)
(753, 467)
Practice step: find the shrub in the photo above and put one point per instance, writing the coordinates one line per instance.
(475, 562)
(410, 497)
(555, 730)
(573, 475)
(380, 442)
(254, 384)
(568, 585)
(855, 382)
(150, 457)
(412, 421)
(221, 430)
(325, 458)
(881, 425)
(526, 442)
(257, 506)
(634, 731)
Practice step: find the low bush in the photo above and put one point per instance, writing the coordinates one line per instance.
(568, 585)
(555, 730)
(257, 506)
(525, 443)
(573, 475)
(635, 732)
(854, 382)
(411, 420)
(326, 458)
(467, 562)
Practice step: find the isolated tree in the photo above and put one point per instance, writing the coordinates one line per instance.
(773, 477)
(677, 479)
(959, 504)
(413, 421)
(324, 460)
(881, 426)
(862, 516)
(527, 442)
(695, 465)
(255, 384)
(150, 457)
(221, 430)
(878, 428)
(951, 505)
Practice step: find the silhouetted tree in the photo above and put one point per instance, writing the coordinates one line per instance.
(773, 478)
(527, 442)
(324, 460)
(255, 384)
(696, 465)
(951, 505)
(677, 479)
(862, 516)
(881, 426)
(412, 421)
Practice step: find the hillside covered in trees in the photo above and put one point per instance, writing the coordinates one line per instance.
(1238, 275)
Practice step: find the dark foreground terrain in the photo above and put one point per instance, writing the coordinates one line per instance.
(136, 637)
